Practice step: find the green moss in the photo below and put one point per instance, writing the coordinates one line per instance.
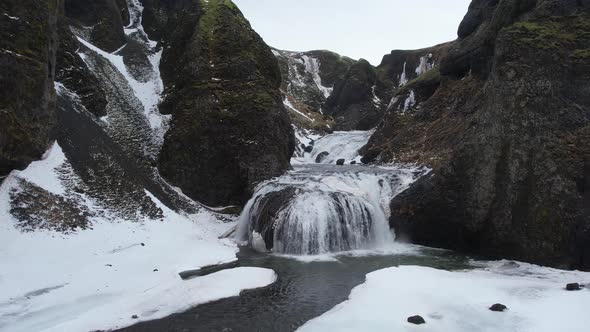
(551, 33)
(581, 53)
(430, 77)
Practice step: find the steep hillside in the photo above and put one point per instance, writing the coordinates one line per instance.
(504, 125)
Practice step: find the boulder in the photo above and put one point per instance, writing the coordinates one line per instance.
(340, 162)
(308, 149)
(321, 157)
(573, 287)
(498, 307)
(417, 320)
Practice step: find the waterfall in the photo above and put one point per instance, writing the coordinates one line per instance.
(317, 209)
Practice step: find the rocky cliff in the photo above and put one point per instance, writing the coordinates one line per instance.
(504, 125)
(85, 87)
(229, 128)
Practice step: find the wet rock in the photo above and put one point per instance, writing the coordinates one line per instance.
(321, 157)
(573, 287)
(498, 307)
(417, 320)
(340, 162)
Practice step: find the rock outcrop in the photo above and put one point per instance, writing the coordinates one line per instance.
(506, 133)
(229, 128)
(28, 46)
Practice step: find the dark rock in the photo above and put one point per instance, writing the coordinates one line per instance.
(134, 317)
(109, 265)
(509, 145)
(238, 119)
(142, 244)
(353, 162)
(417, 320)
(355, 104)
(308, 149)
(340, 162)
(101, 19)
(29, 41)
(156, 270)
(320, 157)
(498, 307)
(573, 287)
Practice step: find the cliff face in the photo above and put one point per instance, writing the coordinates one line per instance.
(504, 124)
(28, 45)
(229, 127)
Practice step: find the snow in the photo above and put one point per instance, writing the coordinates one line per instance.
(312, 66)
(44, 174)
(459, 301)
(97, 279)
(403, 78)
(424, 66)
(12, 17)
(410, 101)
(376, 99)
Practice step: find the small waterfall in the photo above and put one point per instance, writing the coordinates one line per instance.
(318, 209)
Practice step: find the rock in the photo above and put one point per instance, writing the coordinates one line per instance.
(353, 162)
(308, 149)
(28, 46)
(321, 157)
(134, 317)
(101, 19)
(340, 162)
(142, 244)
(417, 320)
(244, 131)
(573, 287)
(156, 270)
(498, 307)
(355, 103)
(109, 265)
(481, 131)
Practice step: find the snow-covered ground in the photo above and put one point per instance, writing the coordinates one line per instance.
(99, 278)
(459, 301)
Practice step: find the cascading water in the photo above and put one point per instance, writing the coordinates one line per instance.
(322, 208)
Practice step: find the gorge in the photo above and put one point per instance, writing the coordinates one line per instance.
(163, 169)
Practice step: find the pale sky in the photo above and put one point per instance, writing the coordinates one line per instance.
(365, 29)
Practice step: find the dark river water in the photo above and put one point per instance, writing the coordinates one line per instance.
(303, 290)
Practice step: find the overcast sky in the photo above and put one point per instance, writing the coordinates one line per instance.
(365, 29)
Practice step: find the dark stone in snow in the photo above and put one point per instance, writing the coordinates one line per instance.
(498, 307)
(134, 317)
(156, 270)
(308, 149)
(109, 265)
(573, 287)
(353, 162)
(142, 244)
(321, 157)
(340, 162)
(418, 320)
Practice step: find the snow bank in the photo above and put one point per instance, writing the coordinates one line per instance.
(459, 301)
(97, 279)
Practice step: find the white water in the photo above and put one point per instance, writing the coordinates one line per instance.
(340, 145)
(324, 208)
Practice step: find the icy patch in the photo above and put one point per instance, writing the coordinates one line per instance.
(410, 101)
(424, 65)
(459, 301)
(403, 78)
(12, 17)
(312, 66)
